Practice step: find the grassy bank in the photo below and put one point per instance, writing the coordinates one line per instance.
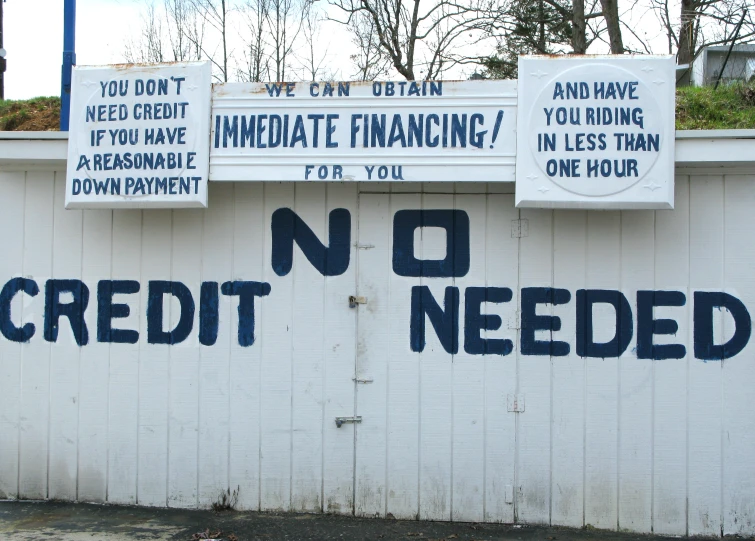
(36, 114)
(729, 107)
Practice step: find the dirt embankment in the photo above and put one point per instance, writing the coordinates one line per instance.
(38, 114)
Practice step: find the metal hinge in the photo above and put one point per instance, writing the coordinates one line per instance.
(515, 403)
(341, 420)
(354, 300)
(363, 246)
(363, 381)
(520, 228)
(514, 322)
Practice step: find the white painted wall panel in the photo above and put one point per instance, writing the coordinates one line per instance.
(436, 385)
(628, 443)
(738, 431)
(499, 375)
(704, 394)
(64, 355)
(154, 361)
(94, 364)
(246, 363)
(373, 363)
(568, 407)
(602, 271)
(183, 368)
(403, 396)
(468, 386)
(534, 380)
(13, 187)
(635, 391)
(35, 427)
(123, 405)
(340, 345)
(214, 361)
(670, 375)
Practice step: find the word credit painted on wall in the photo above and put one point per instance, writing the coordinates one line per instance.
(376, 131)
(596, 132)
(139, 136)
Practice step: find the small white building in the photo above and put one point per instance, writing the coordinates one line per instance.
(709, 63)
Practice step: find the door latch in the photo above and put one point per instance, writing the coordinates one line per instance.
(515, 403)
(354, 301)
(341, 420)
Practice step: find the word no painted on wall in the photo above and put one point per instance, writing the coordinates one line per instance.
(139, 136)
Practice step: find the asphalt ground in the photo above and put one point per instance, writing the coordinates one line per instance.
(57, 521)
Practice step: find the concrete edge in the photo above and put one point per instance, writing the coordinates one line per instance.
(694, 148)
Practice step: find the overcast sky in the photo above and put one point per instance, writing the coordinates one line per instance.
(33, 39)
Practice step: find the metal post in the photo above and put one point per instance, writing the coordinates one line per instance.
(2, 60)
(69, 60)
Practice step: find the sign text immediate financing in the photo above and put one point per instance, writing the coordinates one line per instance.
(381, 131)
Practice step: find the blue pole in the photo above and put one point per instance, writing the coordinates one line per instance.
(69, 60)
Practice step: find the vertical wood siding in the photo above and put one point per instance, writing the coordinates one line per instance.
(618, 443)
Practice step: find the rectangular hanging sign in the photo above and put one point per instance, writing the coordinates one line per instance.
(382, 131)
(139, 136)
(596, 132)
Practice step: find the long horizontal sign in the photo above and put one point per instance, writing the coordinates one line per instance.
(381, 131)
(574, 132)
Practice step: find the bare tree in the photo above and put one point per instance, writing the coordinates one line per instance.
(313, 59)
(369, 59)
(613, 25)
(256, 63)
(215, 13)
(544, 27)
(185, 30)
(285, 19)
(149, 46)
(579, 27)
(662, 11)
(424, 41)
(702, 23)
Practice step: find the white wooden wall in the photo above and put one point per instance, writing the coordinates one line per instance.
(661, 446)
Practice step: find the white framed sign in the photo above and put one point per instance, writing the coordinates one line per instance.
(596, 132)
(139, 136)
(364, 131)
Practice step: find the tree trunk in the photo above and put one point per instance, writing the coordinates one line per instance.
(611, 14)
(225, 44)
(579, 28)
(541, 27)
(686, 33)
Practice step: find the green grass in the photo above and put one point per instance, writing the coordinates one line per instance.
(33, 114)
(730, 107)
